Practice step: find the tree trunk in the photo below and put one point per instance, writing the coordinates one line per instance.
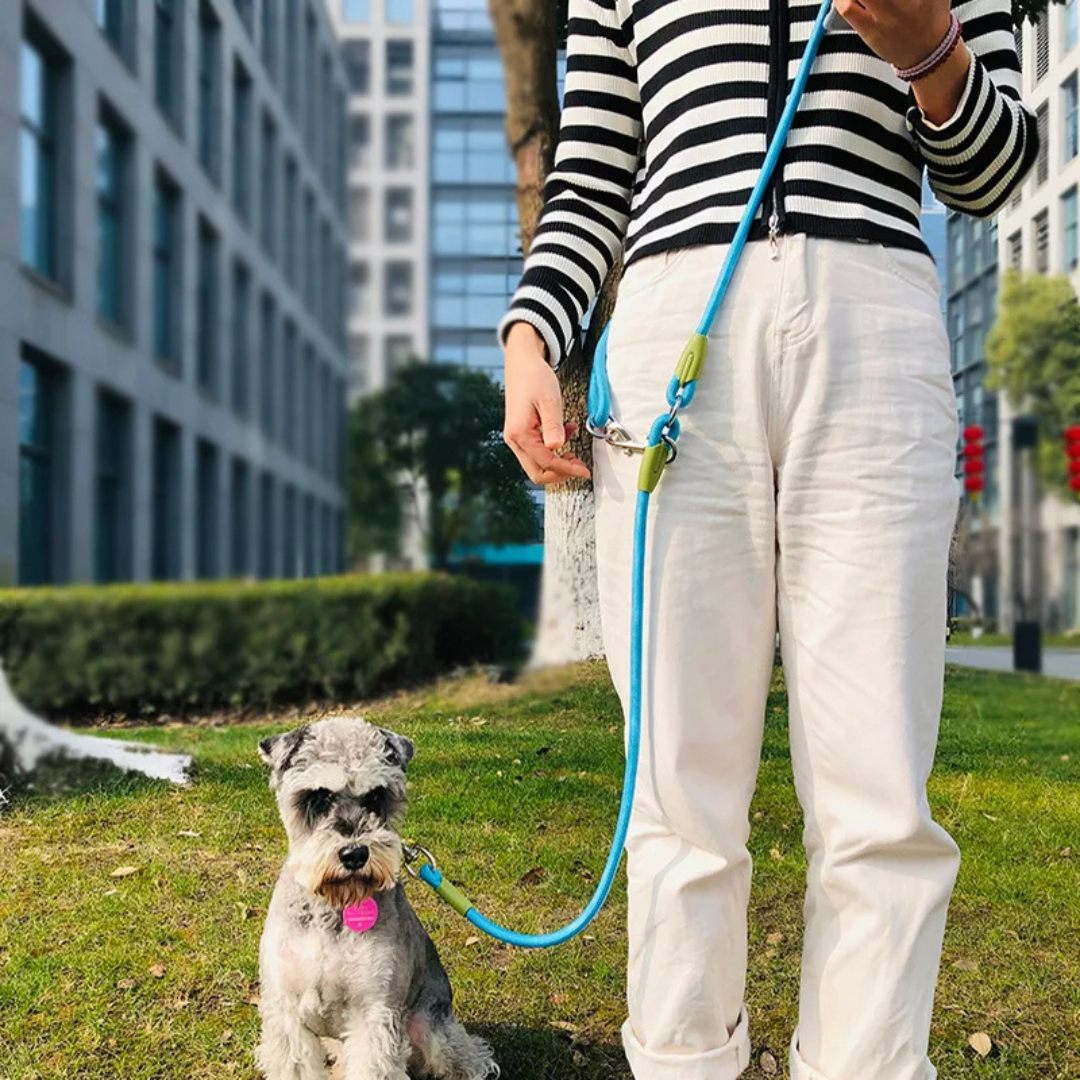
(38, 755)
(569, 627)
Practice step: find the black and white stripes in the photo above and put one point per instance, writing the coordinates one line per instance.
(666, 117)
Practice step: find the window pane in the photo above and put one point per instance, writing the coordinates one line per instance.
(399, 215)
(37, 137)
(399, 11)
(356, 11)
(357, 56)
(207, 310)
(399, 67)
(112, 148)
(360, 139)
(400, 142)
(112, 522)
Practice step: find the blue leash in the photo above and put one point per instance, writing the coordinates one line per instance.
(657, 453)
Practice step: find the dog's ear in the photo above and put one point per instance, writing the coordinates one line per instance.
(399, 749)
(278, 751)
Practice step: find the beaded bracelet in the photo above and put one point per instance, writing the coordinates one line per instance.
(938, 57)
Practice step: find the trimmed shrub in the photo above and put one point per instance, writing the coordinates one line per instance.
(189, 648)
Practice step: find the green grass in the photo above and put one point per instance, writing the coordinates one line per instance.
(153, 975)
(1049, 641)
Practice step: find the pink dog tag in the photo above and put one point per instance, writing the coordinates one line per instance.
(363, 916)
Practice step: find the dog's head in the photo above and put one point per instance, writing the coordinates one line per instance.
(340, 787)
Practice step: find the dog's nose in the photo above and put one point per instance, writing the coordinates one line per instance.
(354, 856)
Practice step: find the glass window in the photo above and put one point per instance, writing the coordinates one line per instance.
(167, 69)
(241, 339)
(309, 537)
(309, 418)
(356, 11)
(268, 366)
(269, 37)
(292, 196)
(468, 78)
(241, 141)
(1069, 21)
(110, 18)
(357, 56)
(1068, 215)
(360, 141)
(399, 288)
(311, 78)
(398, 352)
(267, 524)
(399, 67)
(206, 309)
(113, 158)
(38, 133)
(37, 471)
(326, 556)
(209, 134)
(166, 271)
(112, 493)
(291, 32)
(326, 424)
(166, 520)
(472, 151)
(268, 208)
(1041, 228)
(476, 223)
(399, 215)
(240, 519)
(1016, 250)
(359, 363)
(288, 362)
(1071, 145)
(400, 142)
(311, 268)
(246, 10)
(206, 510)
(399, 12)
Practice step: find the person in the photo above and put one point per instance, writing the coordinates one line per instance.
(814, 491)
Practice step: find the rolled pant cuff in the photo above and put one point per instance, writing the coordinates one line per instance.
(798, 1068)
(725, 1063)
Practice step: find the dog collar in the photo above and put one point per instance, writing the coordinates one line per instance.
(361, 917)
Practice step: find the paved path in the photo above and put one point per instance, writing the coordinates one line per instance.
(1060, 663)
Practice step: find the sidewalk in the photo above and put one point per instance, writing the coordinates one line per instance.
(1060, 663)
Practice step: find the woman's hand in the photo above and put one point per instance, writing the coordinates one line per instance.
(906, 32)
(534, 428)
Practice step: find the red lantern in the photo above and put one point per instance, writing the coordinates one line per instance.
(1072, 452)
(974, 462)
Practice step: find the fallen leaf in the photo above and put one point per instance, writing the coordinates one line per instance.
(557, 999)
(588, 937)
(981, 1043)
(769, 1064)
(579, 1059)
(1064, 757)
(110, 892)
(1023, 761)
(989, 817)
(253, 1000)
(188, 832)
(516, 761)
(565, 1025)
(157, 971)
(124, 871)
(775, 939)
(775, 853)
(125, 984)
(1066, 853)
(966, 965)
(472, 940)
(533, 876)
(226, 1035)
(758, 816)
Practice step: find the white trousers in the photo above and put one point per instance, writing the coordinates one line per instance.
(814, 490)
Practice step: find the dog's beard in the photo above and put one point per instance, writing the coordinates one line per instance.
(324, 875)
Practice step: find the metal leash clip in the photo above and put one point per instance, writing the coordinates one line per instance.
(412, 854)
(616, 435)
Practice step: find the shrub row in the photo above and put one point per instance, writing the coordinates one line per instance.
(188, 648)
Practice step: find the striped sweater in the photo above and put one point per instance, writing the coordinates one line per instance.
(668, 109)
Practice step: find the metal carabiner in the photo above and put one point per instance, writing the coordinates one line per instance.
(412, 854)
(617, 436)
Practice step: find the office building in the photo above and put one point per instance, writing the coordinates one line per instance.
(1038, 233)
(386, 46)
(172, 285)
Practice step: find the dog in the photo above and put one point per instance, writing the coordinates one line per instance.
(343, 955)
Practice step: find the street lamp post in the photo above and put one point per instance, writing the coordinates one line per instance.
(1027, 631)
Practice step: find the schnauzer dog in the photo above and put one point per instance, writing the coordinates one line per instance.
(343, 955)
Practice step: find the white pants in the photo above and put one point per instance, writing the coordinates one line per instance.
(814, 488)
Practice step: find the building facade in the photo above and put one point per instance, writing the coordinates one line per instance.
(1038, 234)
(386, 46)
(172, 345)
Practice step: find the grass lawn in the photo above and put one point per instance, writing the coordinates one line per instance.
(1049, 641)
(153, 975)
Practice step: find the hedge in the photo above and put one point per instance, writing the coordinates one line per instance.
(189, 648)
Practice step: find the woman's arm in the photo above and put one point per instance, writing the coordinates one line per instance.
(976, 136)
(587, 194)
